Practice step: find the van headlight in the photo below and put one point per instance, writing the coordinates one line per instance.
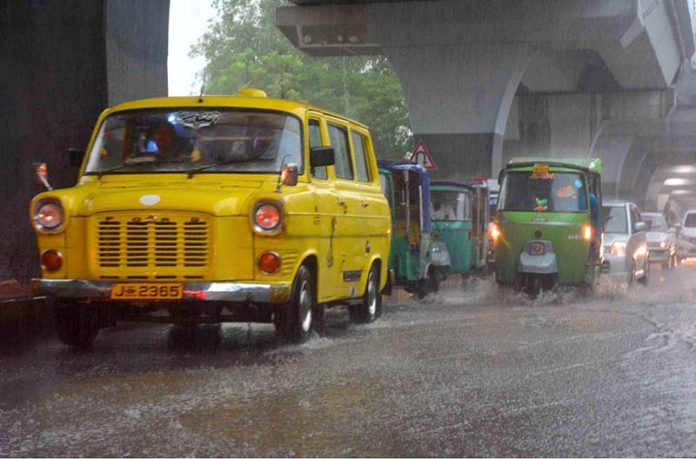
(267, 217)
(49, 215)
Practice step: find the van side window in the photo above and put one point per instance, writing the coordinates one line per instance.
(362, 170)
(315, 141)
(339, 140)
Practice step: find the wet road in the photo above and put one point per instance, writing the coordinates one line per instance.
(469, 372)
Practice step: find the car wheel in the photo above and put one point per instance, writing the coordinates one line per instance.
(371, 305)
(295, 323)
(646, 274)
(77, 324)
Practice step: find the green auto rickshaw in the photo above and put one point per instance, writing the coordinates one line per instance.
(416, 262)
(548, 226)
(460, 220)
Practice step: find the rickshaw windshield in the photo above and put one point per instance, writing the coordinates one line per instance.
(450, 205)
(543, 192)
(186, 140)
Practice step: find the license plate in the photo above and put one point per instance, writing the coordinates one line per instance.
(147, 291)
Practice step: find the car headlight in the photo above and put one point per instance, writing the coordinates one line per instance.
(618, 249)
(49, 215)
(663, 244)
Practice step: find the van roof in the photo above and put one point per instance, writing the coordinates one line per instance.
(225, 101)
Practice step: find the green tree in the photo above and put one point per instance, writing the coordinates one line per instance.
(243, 48)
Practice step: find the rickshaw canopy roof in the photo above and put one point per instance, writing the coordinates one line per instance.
(416, 168)
(593, 165)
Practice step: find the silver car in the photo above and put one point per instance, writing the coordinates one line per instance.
(686, 236)
(625, 242)
(662, 241)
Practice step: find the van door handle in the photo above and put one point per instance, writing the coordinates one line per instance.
(341, 202)
(364, 203)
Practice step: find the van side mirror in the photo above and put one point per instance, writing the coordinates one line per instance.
(41, 175)
(289, 174)
(321, 156)
(75, 157)
(641, 226)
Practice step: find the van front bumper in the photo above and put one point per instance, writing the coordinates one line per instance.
(233, 292)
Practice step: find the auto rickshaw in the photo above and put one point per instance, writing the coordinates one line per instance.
(548, 229)
(416, 262)
(460, 220)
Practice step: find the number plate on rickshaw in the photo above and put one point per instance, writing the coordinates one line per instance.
(147, 291)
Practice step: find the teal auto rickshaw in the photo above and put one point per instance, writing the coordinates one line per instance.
(460, 220)
(416, 262)
(548, 226)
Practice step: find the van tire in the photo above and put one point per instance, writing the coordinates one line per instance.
(77, 324)
(371, 305)
(296, 322)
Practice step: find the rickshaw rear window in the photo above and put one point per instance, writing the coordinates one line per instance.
(543, 192)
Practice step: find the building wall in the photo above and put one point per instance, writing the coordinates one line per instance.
(53, 85)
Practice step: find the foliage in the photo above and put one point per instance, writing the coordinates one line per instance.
(243, 48)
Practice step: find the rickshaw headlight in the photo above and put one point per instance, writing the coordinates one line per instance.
(587, 232)
(494, 232)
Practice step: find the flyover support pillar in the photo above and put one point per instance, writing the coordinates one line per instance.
(459, 99)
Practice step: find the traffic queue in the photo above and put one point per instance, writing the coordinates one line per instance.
(246, 208)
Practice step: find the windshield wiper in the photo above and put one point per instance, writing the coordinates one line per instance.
(192, 172)
(139, 163)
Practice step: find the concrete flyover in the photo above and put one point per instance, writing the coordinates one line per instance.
(488, 80)
(63, 63)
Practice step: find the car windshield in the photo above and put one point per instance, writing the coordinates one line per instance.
(615, 219)
(657, 223)
(450, 205)
(690, 220)
(547, 192)
(182, 140)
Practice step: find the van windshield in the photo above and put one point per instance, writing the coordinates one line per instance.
(183, 140)
(547, 192)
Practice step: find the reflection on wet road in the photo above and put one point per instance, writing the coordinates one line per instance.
(468, 372)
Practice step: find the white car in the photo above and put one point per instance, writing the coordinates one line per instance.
(686, 236)
(625, 242)
(662, 241)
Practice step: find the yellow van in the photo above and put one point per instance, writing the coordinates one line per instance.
(215, 208)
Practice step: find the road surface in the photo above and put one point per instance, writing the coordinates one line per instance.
(468, 372)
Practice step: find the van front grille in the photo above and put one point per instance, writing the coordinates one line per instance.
(164, 245)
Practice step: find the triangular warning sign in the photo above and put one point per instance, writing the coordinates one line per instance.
(422, 156)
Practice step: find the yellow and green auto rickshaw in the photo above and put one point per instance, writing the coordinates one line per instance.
(548, 226)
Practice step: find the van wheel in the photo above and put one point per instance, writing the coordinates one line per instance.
(295, 323)
(371, 305)
(77, 324)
